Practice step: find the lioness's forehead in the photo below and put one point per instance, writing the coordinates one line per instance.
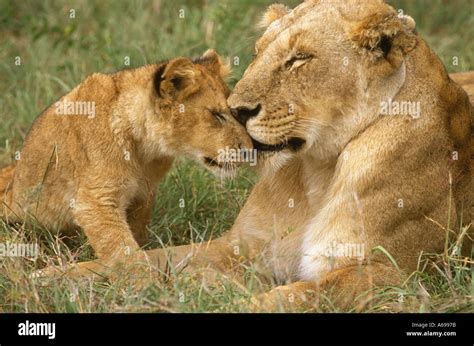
(319, 13)
(280, 25)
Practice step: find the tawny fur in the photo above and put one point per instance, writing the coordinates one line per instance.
(99, 172)
(327, 60)
(334, 66)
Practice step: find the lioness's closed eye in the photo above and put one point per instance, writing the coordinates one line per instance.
(93, 159)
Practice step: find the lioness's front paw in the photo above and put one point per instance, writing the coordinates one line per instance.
(137, 269)
(82, 270)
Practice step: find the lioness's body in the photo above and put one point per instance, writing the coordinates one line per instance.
(387, 181)
(99, 171)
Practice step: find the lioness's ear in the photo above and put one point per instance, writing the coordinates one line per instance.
(384, 35)
(214, 63)
(273, 13)
(176, 79)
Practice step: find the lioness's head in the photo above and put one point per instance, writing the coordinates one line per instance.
(319, 74)
(194, 118)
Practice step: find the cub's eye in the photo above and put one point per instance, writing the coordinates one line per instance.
(298, 57)
(219, 116)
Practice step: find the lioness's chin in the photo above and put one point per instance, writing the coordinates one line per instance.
(274, 160)
(275, 156)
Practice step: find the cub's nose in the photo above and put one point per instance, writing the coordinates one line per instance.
(243, 114)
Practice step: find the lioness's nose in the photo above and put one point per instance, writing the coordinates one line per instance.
(243, 114)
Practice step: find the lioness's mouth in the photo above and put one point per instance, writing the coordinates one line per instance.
(294, 144)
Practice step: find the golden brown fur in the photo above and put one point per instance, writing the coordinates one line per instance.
(466, 80)
(348, 174)
(361, 177)
(99, 171)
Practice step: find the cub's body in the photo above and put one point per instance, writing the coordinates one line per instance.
(64, 154)
(93, 159)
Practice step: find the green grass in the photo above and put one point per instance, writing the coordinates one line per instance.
(57, 52)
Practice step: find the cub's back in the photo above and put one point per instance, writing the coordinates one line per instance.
(65, 138)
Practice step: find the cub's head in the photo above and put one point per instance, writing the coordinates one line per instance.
(319, 74)
(192, 113)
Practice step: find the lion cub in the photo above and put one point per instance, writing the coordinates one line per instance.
(93, 159)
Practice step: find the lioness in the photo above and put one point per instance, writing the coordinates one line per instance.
(93, 159)
(344, 168)
(366, 144)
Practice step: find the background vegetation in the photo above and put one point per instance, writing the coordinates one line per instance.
(58, 51)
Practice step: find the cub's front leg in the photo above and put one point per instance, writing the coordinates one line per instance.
(139, 216)
(104, 221)
(101, 212)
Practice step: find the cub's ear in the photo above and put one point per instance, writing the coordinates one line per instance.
(177, 79)
(214, 63)
(384, 35)
(273, 13)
